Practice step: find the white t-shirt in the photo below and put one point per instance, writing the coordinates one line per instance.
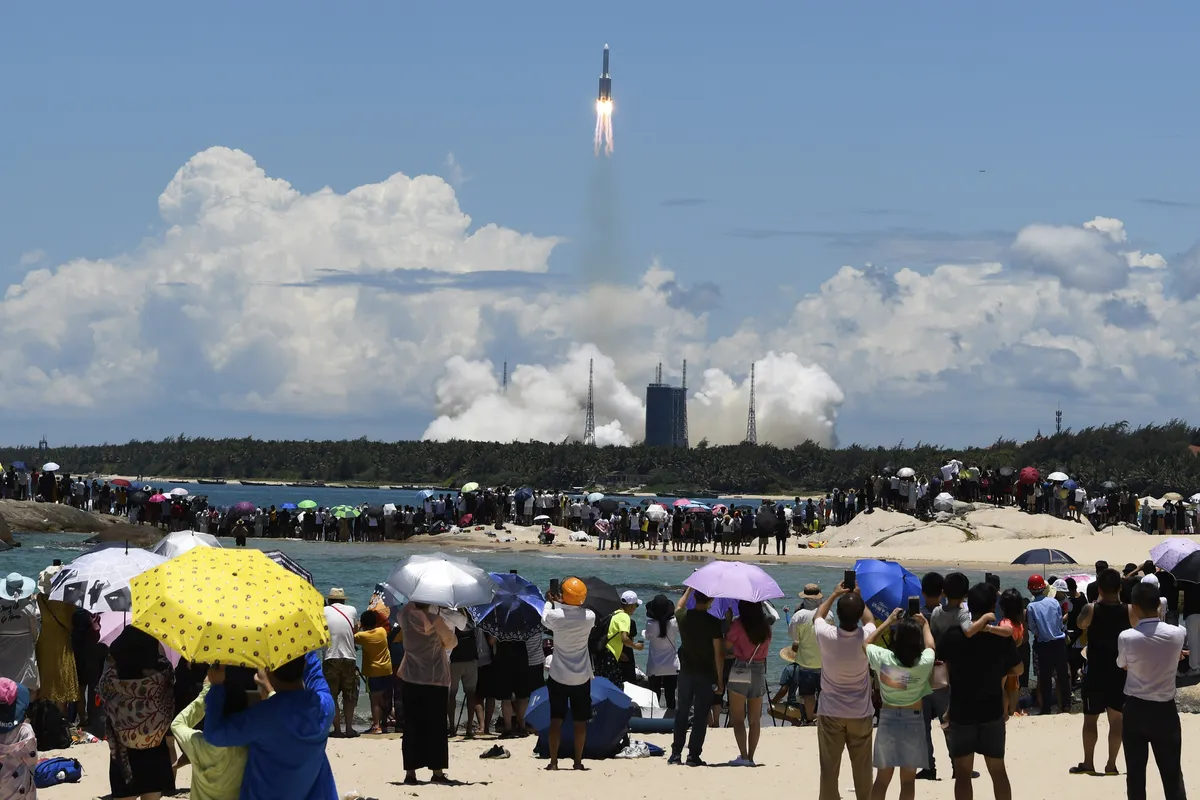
(948, 472)
(571, 626)
(663, 657)
(340, 619)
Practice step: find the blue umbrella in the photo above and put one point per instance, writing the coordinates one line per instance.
(19, 465)
(514, 613)
(885, 585)
(1070, 485)
(523, 494)
(425, 494)
(288, 506)
(607, 729)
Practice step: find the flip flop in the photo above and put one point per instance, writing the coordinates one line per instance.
(1080, 769)
(1108, 773)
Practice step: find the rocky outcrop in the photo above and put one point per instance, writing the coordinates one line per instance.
(135, 535)
(49, 518)
(5, 533)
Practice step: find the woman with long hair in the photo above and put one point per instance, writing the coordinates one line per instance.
(749, 638)
(137, 688)
(903, 670)
(425, 686)
(662, 640)
(1012, 605)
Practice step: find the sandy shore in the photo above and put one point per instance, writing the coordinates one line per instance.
(1040, 750)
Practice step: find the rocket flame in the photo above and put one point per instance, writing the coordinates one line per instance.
(604, 130)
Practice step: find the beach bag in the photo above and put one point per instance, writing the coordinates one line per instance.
(49, 726)
(597, 639)
(742, 673)
(53, 771)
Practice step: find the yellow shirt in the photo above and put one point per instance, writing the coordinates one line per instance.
(377, 660)
(618, 625)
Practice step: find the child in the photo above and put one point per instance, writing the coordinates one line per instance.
(1013, 607)
(377, 665)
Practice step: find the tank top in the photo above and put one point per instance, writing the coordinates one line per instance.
(1107, 623)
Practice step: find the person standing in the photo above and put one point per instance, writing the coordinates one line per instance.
(1150, 653)
(978, 666)
(19, 631)
(377, 665)
(570, 683)
(749, 639)
(1103, 682)
(464, 671)
(662, 640)
(341, 665)
(701, 658)
(845, 714)
(807, 653)
(425, 677)
(1044, 620)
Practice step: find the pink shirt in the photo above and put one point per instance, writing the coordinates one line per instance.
(743, 648)
(18, 757)
(427, 641)
(845, 675)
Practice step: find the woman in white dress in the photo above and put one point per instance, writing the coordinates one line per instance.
(662, 643)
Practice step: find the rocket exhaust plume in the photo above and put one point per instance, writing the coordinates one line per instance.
(604, 109)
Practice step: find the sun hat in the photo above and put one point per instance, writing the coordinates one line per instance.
(14, 699)
(630, 599)
(1036, 583)
(574, 592)
(790, 652)
(336, 593)
(17, 587)
(811, 592)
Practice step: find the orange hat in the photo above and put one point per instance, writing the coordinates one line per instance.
(1036, 583)
(574, 592)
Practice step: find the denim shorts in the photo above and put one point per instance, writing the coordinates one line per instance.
(900, 739)
(758, 680)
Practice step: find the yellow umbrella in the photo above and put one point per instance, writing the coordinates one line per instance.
(232, 607)
(470, 487)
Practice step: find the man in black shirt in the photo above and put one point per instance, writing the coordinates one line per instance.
(1093, 591)
(701, 658)
(1104, 682)
(978, 666)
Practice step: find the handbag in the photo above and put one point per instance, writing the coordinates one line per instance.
(940, 677)
(742, 674)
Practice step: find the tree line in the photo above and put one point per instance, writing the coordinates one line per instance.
(1151, 459)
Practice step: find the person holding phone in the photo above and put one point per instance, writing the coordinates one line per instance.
(701, 663)
(570, 681)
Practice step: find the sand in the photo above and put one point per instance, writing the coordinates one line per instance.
(1040, 750)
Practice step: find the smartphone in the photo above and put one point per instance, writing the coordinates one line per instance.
(554, 586)
(914, 606)
(849, 580)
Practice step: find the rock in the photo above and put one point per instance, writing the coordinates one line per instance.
(5, 533)
(26, 516)
(145, 536)
(1187, 698)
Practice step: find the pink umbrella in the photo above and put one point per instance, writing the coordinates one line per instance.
(720, 508)
(158, 498)
(681, 502)
(112, 623)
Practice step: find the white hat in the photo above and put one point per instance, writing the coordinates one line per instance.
(1061, 586)
(1151, 579)
(17, 587)
(630, 599)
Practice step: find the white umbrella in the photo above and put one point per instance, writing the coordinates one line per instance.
(179, 491)
(906, 472)
(178, 543)
(99, 580)
(656, 513)
(442, 580)
(1058, 476)
(943, 502)
(389, 508)
(1195, 499)
(595, 497)
(50, 466)
(541, 518)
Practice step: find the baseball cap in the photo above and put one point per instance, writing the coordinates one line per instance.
(1061, 586)
(630, 599)
(1151, 579)
(1036, 583)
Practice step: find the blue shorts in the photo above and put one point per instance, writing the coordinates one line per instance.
(380, 684)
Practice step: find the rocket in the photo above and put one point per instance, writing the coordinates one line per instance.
(605, 81)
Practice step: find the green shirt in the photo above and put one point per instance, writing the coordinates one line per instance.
(617, 625)
(899, 685)
(216, 771)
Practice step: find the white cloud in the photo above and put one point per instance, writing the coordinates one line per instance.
(32, 257)
(455, 175)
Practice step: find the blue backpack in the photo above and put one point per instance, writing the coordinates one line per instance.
(53, 771)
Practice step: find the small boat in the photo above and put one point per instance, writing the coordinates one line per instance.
(254, 483)
(308, 484)
(211, 481)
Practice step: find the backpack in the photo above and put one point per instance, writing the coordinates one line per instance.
(46, 773)
(49, 726)
(598, 638)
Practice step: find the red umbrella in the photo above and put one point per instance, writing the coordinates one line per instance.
(158, 498)
(1029, 475)
(465, 521)
(121, 482)
(681, 502)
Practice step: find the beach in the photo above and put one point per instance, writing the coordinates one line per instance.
(1039, 752)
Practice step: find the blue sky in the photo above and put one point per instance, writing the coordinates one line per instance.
(758, 148)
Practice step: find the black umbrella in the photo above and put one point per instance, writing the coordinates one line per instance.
(766, 519)
(1044, 555)
(602, 597)
(1188, 570)
(607, 504)
(138, 498)
(375, 511)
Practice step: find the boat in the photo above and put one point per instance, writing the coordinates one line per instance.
(211, 481)
(254, 483)
(308, 484)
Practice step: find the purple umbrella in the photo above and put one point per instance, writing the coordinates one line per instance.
(1167, 554)
(734, 579)
(242, 509)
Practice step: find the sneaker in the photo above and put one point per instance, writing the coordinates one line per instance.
(927, 775)
(695, 762)
(741, 762)
(674, 759)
